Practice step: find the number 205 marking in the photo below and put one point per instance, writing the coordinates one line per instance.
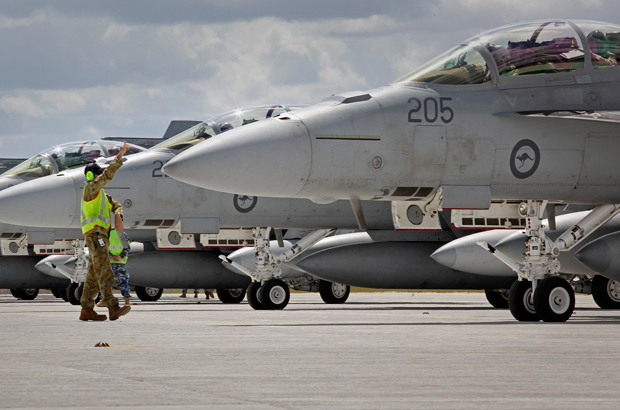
(432, 108)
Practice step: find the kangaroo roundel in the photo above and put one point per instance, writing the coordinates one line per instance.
(244, 203)
(524, 159)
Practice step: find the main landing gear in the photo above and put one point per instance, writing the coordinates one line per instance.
(269, 290)
(542, 292)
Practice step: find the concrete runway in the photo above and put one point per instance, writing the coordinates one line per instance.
(379, 350)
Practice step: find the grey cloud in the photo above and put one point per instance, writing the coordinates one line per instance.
(214, 11)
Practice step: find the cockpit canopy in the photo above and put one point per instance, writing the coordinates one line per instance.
(67, 156)
(222, 123)
(539, 47)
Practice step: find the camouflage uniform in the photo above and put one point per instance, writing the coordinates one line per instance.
(100, 276)
(122, 276)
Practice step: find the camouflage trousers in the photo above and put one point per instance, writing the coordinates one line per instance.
(99, 277)
(122, 276)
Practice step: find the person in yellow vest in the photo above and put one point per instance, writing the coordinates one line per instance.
(119, 255)
(100, 213)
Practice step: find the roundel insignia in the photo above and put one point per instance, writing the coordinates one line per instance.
(524, 159)
(244, 203)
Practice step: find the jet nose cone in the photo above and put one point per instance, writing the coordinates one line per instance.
(45, 202)
(266, 158)
(446, 255)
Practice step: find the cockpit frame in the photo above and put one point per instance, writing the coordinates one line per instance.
(563, 57)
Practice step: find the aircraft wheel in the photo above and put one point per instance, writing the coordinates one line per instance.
(498, 300)
(26, 294)
(63, 294)
(14, 293)
(606, 292)
(57, 292)
(275, 294)
(520, 302)
(333, 293)
(554, 300)
(74, 293)
(147, 294)
(231, 295)
(254, 296)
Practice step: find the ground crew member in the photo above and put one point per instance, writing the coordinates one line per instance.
(98, 209)
(119, 254)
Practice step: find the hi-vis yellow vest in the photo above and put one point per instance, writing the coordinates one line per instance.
(95, 212)
(116, 246)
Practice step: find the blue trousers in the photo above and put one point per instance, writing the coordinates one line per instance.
(123, 278)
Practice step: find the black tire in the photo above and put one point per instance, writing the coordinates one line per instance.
(147, 294)
(74, 293)
(57, 292)
(554, 300)
(26, 294)
(253, 296)
(14, 293)
(498, 300)
(275, 294)
(63, 294)
(606, 292)
(333, 293)
(520, 302)
(230, 295)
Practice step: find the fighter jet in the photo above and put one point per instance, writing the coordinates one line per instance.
(17, 272)
(507, 122)
(27, 245)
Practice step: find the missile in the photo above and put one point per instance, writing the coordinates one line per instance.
(602, 256)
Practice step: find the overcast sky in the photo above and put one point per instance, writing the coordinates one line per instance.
(85, 69)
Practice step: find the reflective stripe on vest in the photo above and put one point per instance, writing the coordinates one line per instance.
(95, 213)
(116, 246)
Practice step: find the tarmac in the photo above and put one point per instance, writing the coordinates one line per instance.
(377, 351)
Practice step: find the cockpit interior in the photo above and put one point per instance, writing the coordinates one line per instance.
(67, 156)
(222, 123)
(530, 48)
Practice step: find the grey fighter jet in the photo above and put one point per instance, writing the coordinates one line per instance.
(498, 127)
(24, 244)
(17, 270)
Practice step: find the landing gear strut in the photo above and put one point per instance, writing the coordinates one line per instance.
(553, 298)
(268, 290)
